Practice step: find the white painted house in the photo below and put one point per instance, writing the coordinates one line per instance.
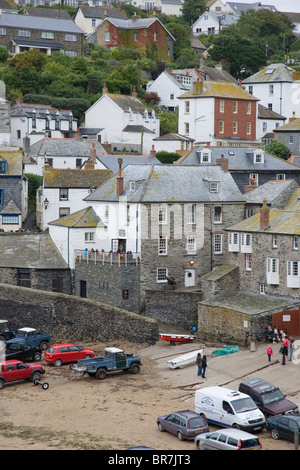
(168, 88)
(126, 122)
(38, 121)
(278, 88)
(212, 23)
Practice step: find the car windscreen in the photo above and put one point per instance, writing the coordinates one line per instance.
(243, 404)
(248, 443)
(196, 422)
(271, 397)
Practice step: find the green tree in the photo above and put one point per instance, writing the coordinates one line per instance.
(279, 149)
(192, 10)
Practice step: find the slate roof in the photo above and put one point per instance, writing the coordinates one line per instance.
(99, 12)
(215, 74)
(269, 191)
(272, 73)
(10, 208)
(266, 113)
(111, 161)
(41, 111)
(126, 102)
(220, 89)
(30, 250)
(85, 218)
(39, 23)
(250, 303)
(174, 136)
(48, 12)
(170, 183)
(133, 24)
(238, 8)
(65, 147)
(292, 126)
(66, 178)
(239, 158)
(13, 158)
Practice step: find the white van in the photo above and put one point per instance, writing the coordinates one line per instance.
(228, 408)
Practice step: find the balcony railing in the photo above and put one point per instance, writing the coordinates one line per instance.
(95, 256)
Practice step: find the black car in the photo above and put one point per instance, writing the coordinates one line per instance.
(22, 352)
(184, 424)
(283, 426)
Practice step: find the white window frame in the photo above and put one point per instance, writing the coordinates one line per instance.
(47, 35)
(248, 262)
(162, 245)
(275, 240)
(214, 187)
(161, 275)
(280, 177)
(186, 107)
(218, 243)
(235, 107)
(296, 242)
(191, 244)
(24, 33)
(191, 214)
(107, 36)
(273, 271)
(221, 127)
(70, 37)
(253, 176)
(233, 242)
(89, 237)
(218, 216)
(246, 243)
(293, 274)
(222, 106)
(262, 288)
(63, 194)
(162, 214)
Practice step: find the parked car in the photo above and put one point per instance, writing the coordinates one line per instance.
(13, 370)
(267, 397)
(283, 426)
(22, 352)
(228, 439)
(59, 354)
(184, 424)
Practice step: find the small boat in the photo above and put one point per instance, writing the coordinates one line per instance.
(184, 360)
(176, 338)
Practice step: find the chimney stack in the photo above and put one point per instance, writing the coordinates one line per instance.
(120, 179)
(90, 164)
(104, 89)
(133, 94)
(223, 162)
(293, 118)
(26, 144)
(264, 216)
(153, 152)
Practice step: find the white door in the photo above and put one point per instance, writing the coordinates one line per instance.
(190, 278)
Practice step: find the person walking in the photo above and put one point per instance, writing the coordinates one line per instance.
(199, 363)
(269, 353)
(291, 348)
(204, 366)
(284, 350)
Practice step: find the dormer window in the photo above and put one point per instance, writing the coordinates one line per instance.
(132, 186)
(205, 156)
(258, 157)
(214, 186)
(2, 167)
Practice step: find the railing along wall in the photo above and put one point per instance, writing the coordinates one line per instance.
(95, 256)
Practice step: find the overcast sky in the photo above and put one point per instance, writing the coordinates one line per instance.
(281, 5)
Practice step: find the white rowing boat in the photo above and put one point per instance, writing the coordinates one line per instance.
(184, 359)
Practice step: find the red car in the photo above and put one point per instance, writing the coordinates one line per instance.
(13, 370)
(59, 354)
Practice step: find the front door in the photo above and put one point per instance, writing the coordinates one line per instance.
(83, 289)
(190, 278)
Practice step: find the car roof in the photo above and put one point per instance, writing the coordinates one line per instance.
(61, 345)
(237, 433)
(259, 384)
(11, 361)
(187, 413)
(289, 416)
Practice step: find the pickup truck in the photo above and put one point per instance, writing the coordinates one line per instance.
(5, 332)
(114, 359)
(11, 371)
(22, 352)
(31, 337)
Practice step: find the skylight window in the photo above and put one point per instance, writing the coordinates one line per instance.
(269, 71)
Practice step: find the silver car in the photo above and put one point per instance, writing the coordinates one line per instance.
(227, 439)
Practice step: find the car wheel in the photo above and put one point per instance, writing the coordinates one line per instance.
(87, 356)
(37, 357)
(235, 426)
(160, 428)
(199, 445)
(1, 384)
(101, 374)
(57, 362)
(135, 369)
(45, 386)
(44, 345)
(275, 433)
(180, 436)
(36, 376)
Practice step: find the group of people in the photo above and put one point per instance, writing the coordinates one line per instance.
(201, 364)
(286, 343)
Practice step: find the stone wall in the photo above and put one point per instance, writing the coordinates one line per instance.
(70, 318)
(112, 284)
(179, 308)
(229, 326)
